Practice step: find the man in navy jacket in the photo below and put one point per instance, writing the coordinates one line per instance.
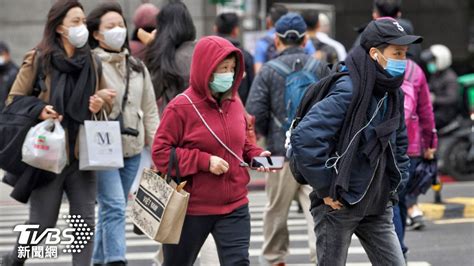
(267, 102)
(351, 148)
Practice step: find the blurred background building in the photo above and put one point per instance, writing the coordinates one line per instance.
(439, 21)
(22, 21)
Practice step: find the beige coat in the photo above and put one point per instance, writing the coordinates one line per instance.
(140, 111)
(24, 82)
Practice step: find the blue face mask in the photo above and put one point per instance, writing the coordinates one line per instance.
(222, 82)
(395, 67)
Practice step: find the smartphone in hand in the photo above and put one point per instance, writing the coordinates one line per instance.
(270, 162)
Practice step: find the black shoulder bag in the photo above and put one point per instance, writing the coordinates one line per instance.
(126, 130)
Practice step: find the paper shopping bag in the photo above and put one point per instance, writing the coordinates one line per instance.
(100, 145)
(160, 207)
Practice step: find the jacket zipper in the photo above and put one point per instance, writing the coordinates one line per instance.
(373, 175)
(396, 166)
(226, 189)
(367, 189)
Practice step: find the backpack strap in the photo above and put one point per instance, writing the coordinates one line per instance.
(98, 63)
(39, 85)
(281, 68)
(316, 92)
(284, 71)
(311, 65)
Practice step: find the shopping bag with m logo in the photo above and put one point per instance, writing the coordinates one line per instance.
(100, 145)
(160, 205)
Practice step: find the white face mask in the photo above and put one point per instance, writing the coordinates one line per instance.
(115, 38)
(78, 35)
(2, 60)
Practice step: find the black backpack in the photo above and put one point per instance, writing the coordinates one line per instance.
(314, 94)
(327, 52)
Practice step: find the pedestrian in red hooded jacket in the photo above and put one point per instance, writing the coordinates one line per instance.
(215, 177)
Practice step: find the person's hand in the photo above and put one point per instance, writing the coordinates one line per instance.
(146, 37)
(107, 95)
(264, 169)
(95, 104)
(429, 154)
(334, 204)
(48, 112)
(218, 166)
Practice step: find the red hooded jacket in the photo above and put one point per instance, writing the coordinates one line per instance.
(182, 128)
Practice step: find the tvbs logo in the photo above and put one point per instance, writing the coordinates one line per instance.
(73, 239)
(52, 236)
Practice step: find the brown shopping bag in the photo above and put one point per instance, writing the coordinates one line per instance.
(160, 205)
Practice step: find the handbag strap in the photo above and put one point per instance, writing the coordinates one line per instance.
(102, 114)
(127, 83)
(173, 163)
(242, 163)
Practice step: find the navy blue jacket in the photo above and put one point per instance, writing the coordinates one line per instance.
(315, 138)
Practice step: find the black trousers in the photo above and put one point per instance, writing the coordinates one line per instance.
(45, 204)
(231, 233)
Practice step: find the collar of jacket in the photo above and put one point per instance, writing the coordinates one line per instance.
(111, 57)
(293, 50)
(8, 67)
(232, 40)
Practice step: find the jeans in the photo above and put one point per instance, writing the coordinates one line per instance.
(334, 229)
(408, 199)
(112, 194)
(231, 233)
(400, 210)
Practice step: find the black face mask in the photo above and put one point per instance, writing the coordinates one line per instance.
(4, 67)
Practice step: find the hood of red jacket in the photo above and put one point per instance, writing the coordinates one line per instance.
(208, 53)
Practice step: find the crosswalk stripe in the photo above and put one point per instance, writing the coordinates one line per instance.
(7, 240)
(24, 217)
(62, 259)
(256, 223)
(5, 232)
(296, 226)
(305, 251)
(140, 240)
(413, 263)
(291, 228)
(290, 222)
(254, 252)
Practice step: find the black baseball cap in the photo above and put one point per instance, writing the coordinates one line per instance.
(386, 31)
(4, 47)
